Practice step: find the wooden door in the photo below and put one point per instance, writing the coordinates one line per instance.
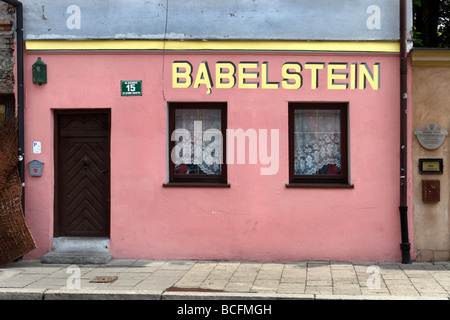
(82, 163)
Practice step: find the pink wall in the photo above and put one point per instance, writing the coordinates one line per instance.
(257, 218)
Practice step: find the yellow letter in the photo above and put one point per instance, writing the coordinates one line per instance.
(265, 77)
(353, 76)
(315, 67)
(332, 76)
(178, 74)
(244, 74)
(296, 76)
(230, 79)
(373, 78)
(203, 77)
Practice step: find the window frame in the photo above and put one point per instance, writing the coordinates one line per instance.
(193, 180)
(9, 103)
(341, 180)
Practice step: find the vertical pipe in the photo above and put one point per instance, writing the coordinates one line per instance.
(20, 94)
(405, 245)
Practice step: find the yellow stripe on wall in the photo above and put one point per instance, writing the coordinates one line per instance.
(171, 45)
(94, 45)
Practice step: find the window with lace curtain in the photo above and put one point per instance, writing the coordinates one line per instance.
(197, 132)
(318, 143)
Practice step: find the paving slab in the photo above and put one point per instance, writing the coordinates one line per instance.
(22, 294)
(102, 295)
(233, 296)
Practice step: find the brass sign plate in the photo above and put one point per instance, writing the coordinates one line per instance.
(104, 279)
(431, 166)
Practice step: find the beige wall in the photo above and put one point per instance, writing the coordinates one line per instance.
(431, 105)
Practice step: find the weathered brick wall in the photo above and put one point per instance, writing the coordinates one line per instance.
(7, 34)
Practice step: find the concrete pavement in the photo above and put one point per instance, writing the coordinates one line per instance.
(225, 280)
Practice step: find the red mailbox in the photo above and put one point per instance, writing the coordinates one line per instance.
(431, 190)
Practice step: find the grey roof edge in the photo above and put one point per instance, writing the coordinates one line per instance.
(214, 20)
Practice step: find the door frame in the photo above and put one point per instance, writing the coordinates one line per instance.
(56, 114)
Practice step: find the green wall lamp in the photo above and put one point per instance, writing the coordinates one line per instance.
(39, 72)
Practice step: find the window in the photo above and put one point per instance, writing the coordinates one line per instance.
(318, 136)
(197, 136)
(7, 104)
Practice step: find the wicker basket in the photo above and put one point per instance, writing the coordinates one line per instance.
(15, 236)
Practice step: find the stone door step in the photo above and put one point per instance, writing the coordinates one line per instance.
(78, 250)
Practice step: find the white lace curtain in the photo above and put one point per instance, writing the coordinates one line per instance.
(317, 142)
(210, 119)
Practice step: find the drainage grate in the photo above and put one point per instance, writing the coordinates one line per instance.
(104, 279)
(192, 289)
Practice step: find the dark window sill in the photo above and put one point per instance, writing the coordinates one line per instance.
(195, 185)
(320, 185)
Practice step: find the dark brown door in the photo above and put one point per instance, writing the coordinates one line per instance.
(82, 176)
